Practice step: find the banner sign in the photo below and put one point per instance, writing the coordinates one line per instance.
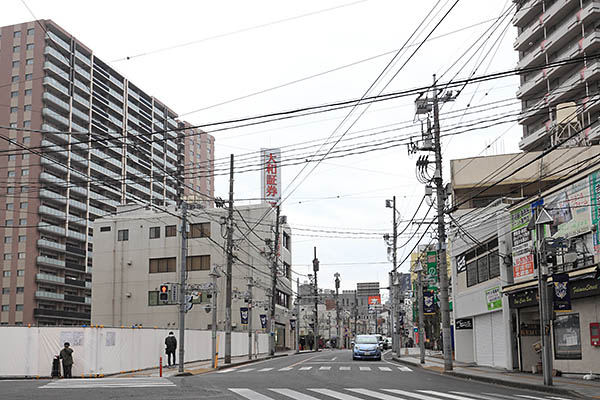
(428, 303)
(595, 208)
(375, 300)
(561, 293)
(569, 209)
(431, 271)
(244, 315)
(522, 242)
(292, 323)
(493, 298)
(263, 320)
(271, 175)
(463, 323)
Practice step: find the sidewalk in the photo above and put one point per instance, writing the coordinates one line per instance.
(575, 387)
(200, 367)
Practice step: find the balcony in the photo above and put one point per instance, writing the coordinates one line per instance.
(56, 85)
(43, 260)
(531, 34)
(74, 299)
(51, 67)
(83, 101)
(79, 190)
(86, 60)
(49, 51)
(42, 312)
(75, 127)
(47, 244)
(74, 266)
(57, 198)
(51, 229)
(49, 278)
(54, 180)
(76, 235)
(532, 140)
(75, 220)
(76, 250)
(83, 73)
(40, 294)
(80, 114)
(529, 9)
(77, 205)
(55, 117)
(52, 37)
(82, 86)
(51, 212)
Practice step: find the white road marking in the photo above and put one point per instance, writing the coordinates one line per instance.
(385, 369)
(286, 369)
(305, 368)
(335, 395)
(557, 398)
(478, 396)
(447, 395)
(501, 396)
(108, 383)
(344, 368)
(324, 368)
(224, 371)
(377, 395)
(405, 369)
(265, 369)
(250, 394)
(247, 370)
(409, 394)
(294, 394)
(364, 368)
(530, 397)
(334, 358)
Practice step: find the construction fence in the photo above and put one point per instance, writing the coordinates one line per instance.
(29, 351)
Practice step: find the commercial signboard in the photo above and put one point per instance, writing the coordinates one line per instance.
(594, 180)
(271, 175)
(374, 300)
(569, 209)
(522, 242)
(431, 272)
(493, 297)
(561, 295)
(463, 323)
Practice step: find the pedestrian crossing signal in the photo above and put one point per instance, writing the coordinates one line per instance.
(163, 293)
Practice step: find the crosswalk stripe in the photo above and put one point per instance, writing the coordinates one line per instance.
(365, 368)
(324, 368)
(478, 396)
(335, 395)
(448, 395)
(293, 394)
(501, 396)
(285, 369)
(265, 369)
(377, 395)
(530, 397)
(305, 368)
(108, 383)
(250, 394)
(557, 398)
(385, 369)
(247, 370)
(224, 371)
(405, 369)
(344, 368)
(409, 394)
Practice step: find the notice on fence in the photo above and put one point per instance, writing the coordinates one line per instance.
(73, 338)
(110, 339)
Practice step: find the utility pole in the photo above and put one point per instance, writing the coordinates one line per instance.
(214, 274)
(316, 288)
(355, 312)
(419, 271)
(250, 311)
(298, 316)
(274, 269)
(337, 310)
(182, 276)
(542, 217)
(441, 251)
(228, 288)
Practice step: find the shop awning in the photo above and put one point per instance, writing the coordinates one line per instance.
(533, 282)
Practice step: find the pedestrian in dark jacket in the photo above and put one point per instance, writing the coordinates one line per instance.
(66, 355)
(171, 344)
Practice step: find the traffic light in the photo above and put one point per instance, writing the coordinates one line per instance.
(163, 293)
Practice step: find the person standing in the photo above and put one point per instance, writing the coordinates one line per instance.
(171, 344)
(66, 355)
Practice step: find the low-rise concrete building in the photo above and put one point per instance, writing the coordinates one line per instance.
(139, 249)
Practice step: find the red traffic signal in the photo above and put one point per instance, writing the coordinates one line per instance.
(163, 293)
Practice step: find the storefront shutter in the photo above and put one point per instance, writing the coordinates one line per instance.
(498, 340)
(483, 340)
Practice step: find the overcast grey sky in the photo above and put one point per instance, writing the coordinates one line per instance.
(214, 58)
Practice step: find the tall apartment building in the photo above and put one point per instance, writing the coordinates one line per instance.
(561, 99)
(76, 140)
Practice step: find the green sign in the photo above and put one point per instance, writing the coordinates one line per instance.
(493, 297)
(432, 274)
(595, 207)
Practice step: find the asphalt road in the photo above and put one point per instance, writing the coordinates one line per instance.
(326, 375)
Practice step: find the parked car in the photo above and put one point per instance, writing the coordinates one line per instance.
(366, 347)
(381, 342)
(388, 342)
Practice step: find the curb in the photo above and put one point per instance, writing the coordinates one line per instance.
(220, 367)
(503, 382)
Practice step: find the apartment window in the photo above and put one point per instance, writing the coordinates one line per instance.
(10, 189)
(20, 272)
(28, 92)
(19, 307)
(105, 229)
(12, 125)
(12, 157)
(23, 205)
(123, 235)
(25, 172)
(5, 308)
(198, 263)
(30, 31)
(28, 77)
(14, 94)
(28, 107)
(7, 256)
(9, 222)
(22, 238)
(10, 206)
(286, 241)
(25, 156)
(170, 230)
(26, 124)
(16, 63)
(287, 270)
(20, 289)
(29, 61)
(283, 299)
(17, 34)
(200, 230)
(14, 109)
(6, 274)
(22, 221)
(5, 290)
(29, 46)
(26, 139)
(22, 256)
(483, 263)
(154, 232)
(158, 265)
(7, 239)
(16, 49)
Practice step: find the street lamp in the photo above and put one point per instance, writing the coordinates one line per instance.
(393, 286)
